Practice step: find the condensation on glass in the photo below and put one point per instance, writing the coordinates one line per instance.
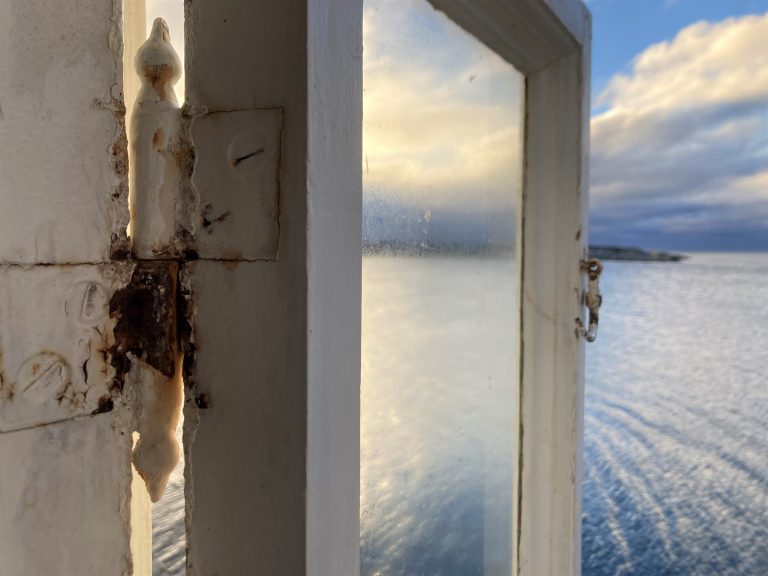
(442, 180)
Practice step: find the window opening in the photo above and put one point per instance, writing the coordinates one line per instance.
(441, 187)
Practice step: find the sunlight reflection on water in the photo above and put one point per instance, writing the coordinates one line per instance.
(438, 412)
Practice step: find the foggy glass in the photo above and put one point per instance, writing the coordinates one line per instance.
(441, 186)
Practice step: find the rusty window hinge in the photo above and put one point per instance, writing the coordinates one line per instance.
(592, 299)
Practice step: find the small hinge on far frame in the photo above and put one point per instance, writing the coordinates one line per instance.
(592, 299)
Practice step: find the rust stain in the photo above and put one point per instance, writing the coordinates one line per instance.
(145, 314)
(6, 389)
(119, 249)
(161, 76)
(184, 314)
(157, 139)
(203, 401)
(105, 405)
(118, 153)
(183, 154)
(208, 222)
(223, 217)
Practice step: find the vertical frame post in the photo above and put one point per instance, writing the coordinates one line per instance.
(272, 417)
(549, 41)
(334, 257)
(553, 230)
(67, 503)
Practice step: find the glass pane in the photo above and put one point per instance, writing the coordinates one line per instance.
(442, 164)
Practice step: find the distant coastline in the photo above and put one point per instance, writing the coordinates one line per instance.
(634, 254)
(403, 248)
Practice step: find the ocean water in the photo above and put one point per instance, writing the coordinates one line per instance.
(676, 421)
(437, 415)
(168, 531)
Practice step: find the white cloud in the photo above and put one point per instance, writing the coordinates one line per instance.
(687, 128)
(441, 111)
(705, 64)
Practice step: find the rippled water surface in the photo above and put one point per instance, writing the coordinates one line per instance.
(437, 415)
(168, 540)
(676, 442)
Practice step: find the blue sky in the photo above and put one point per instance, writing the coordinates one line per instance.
(622, 29)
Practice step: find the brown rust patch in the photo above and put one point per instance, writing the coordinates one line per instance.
(208, 222)
(119, 154)
(119, 214)
(119, 248)
(6, 388)
(184, 315)
(105, 405)
(162, 77)
(183, 154)
(145, 314)
(157, 139)
(203, 401)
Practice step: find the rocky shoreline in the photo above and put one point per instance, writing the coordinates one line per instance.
(634, 254)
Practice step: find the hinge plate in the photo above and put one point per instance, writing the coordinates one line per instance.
(236, 177)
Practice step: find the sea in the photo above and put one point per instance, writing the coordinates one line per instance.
(676, 420)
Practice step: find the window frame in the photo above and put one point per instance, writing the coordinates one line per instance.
(549, 41)
(283, 417)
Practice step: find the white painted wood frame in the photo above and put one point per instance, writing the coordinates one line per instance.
(272, 418)
(549, 41)
(69, 500)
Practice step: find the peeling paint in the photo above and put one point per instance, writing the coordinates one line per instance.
(118, 205)
(188, 205)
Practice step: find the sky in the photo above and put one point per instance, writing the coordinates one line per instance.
(441, 112)
(679, 143)
(679, 136)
